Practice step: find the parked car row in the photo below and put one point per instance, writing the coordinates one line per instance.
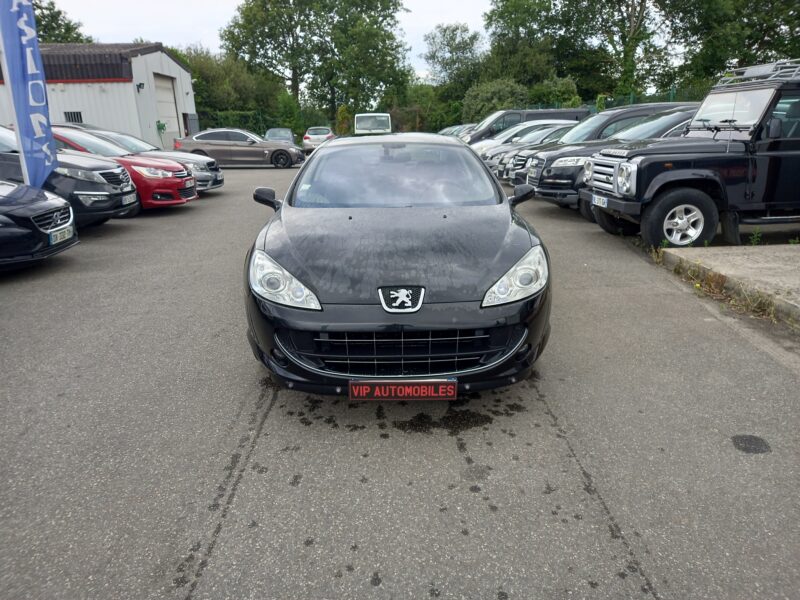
(672, 171)
(100, 175)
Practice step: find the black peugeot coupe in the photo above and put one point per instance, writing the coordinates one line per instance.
(397, 268)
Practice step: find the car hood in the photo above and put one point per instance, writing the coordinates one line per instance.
(484, 145)
(533, 149)
(26, 201)
(345, 254)
(82, 160)
(582, 149)
(146, 161)
(183, 157)
(681, 145)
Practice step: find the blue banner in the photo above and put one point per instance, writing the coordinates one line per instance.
(23, 76)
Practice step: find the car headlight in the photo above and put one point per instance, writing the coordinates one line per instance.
(625, 177)
(80, 174)
(570, 161)
(152, 172)
(200, 167)
(274, 283)
(524, 279)
(588, 170)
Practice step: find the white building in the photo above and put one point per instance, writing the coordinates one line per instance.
(139, 89)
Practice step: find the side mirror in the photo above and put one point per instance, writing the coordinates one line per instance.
(515, 139)
(774, 129)
(266, 196)
(522, 192)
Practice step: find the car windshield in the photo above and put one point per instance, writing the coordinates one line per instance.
(732, 109)
(319, 131)
(394, 175)
(582, 131)
(508, 134)
(535, 135)
(129, 142)
(487, 121)
(280, 133)
(556, 134)
(652, 126)
(91, 143)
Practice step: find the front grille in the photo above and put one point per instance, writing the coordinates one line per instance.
(118, 177)
(534, 172)
(187, 192)
(604, 173)
(519, 161)
(53, 219)
(180, 174)
(404, 353)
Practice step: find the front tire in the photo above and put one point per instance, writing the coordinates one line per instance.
(586, 211)
(281, 160)
(681, 217)
(614, 225)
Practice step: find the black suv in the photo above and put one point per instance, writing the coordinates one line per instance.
(597, 127)
(557, 173)
(739, 162)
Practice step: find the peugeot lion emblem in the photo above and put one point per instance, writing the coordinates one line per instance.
(405, 299)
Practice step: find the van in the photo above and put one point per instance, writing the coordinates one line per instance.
(372, 124)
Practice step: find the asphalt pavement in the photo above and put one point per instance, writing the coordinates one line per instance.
(144, 453)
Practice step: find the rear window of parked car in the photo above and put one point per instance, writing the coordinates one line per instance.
(319, 131)
(394, 175)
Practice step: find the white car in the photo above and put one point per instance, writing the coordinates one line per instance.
(315, 136)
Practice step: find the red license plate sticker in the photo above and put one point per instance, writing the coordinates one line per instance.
(429, 389)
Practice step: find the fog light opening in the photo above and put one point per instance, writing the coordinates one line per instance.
(279, 357)
(523, 352)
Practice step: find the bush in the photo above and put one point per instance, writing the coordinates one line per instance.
(343, 120)
(556, 91)
(483, 99)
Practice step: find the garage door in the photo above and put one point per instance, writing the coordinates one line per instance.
(167, 109)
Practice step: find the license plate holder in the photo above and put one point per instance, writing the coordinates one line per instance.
(420, 389)
(187, 183)
(599, 201)
(62, 235)
(128, 199)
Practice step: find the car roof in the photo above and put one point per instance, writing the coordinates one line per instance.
(405, 138)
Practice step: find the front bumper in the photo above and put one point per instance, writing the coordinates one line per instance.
(208, 180)
(21, 246)
(108, 208)
(529, 319)
(616, 206)
(560, 196)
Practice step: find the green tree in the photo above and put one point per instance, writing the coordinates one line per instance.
(275, 36)
(453, 52)
(358, 56)
(560, 91)
(53, 25)
(484, 98)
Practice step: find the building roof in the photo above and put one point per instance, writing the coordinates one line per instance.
(95, 62)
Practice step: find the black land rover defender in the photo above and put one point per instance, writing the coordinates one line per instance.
(739, 162)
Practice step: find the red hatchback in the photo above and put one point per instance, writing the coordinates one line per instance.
(159, 182)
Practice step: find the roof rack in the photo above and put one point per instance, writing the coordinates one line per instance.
(782, 70)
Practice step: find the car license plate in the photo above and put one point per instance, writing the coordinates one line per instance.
(219, 177)
(599, 201)
(60, 236)
(189, 182)
(128, 199)
(423, 389)
(533, 173)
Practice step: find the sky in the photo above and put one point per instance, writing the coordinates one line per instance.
(185, 22)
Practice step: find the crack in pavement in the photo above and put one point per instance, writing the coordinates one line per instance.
(237, 465)
(634, 566)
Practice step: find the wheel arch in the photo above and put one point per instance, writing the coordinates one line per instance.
(708, 182)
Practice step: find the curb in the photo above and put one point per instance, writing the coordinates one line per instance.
(788, 311)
